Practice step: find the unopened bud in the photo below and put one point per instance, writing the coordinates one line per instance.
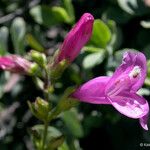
(76, 39)
(34, 70)
(40, 108)
(15, 63)
(38, 57)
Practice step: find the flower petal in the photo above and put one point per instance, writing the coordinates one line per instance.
(130, 104)
(143, 121)
(93, 91)
(133, 63)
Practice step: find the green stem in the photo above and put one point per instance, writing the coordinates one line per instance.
(46, 86)
(47, 83)
(44, 135)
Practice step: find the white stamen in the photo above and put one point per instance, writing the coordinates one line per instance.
(135, 72)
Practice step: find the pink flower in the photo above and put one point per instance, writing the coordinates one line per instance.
(76, 38)
(120, 90)
(15, 63)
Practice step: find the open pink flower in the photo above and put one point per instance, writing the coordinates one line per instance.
(120, 90)
(15, 63)
(76, 38)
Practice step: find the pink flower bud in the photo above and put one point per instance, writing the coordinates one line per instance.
(15, 63)
(76, 38)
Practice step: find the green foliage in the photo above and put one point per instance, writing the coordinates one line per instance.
(133, 7)
(34, 43)
(49, 16)
(18, 30)
(72, 122)
(101, 34)
(145, 24)
(70, 9)
(120, 25)
(128, 5)
(93, 59)
(54, 137)
(3, 40)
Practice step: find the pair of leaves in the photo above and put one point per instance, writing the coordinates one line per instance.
(54, 137)
(18, 33)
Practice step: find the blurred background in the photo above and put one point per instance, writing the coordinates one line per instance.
(120, 25)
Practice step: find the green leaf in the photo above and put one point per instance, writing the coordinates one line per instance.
(73, 124)
(65, 103)
(91, 49)
(126, 5)
(116, 38)
(116, 14)
(52, 131)
(61, 14)
(49, 16)
(93, 59)
(70, 9)
(145, 24)
(34, 43)
(101, 34)
(18, 30)
(55, 143)
(3, 40)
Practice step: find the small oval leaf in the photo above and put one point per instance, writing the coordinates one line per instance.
(3, 40)
(18, 31)
(101, 34)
